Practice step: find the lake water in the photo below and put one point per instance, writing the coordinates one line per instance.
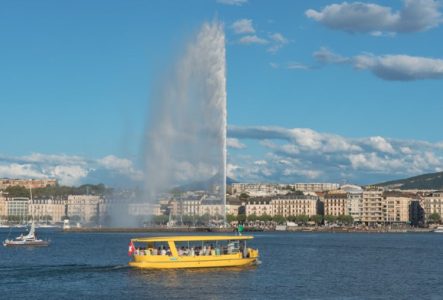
(293, 266)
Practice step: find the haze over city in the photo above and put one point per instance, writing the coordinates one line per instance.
(318, 91)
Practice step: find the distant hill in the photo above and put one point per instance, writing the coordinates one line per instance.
(431, 181)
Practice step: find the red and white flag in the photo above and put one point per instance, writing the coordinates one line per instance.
(131, 249)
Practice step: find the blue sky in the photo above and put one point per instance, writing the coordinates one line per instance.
(317, 90)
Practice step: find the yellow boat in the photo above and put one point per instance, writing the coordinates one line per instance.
(174, 252)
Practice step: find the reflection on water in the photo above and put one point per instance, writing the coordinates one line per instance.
(198, 278)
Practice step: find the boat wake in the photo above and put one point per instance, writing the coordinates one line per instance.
(55, 270)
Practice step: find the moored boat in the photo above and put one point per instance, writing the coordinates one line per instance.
(439, 229)
(26, 240)
(191, 252)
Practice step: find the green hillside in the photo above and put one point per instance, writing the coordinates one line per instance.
(431, 181)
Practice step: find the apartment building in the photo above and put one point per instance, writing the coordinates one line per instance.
(335, 203)
(50, 210)
(28, 183)
(397, 207)
(315, 187)
(294, 205)
(85, 207)
(433, 203)
(372, 209)
(258, 206)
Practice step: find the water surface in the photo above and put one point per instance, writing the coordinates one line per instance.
(293, 266)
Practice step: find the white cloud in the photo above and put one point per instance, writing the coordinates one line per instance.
(299, 154)
(400, 67)
(416, 15)
(69, 169)
(278, 41)
(232, 2)
(253, 39)
(230, 170)
(325, 55)
(120, 165)
(235, 143)
(68, 175)
(388, 67)
(243, 26)
(16, 170)
(297, 66)
(380, 144)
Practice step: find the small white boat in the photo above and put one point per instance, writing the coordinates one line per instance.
(439, 229)
(26, 240)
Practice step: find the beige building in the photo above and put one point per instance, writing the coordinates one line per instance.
(28, 183)
(315, 187)
(293, 205)
(3, 209)
(258, 206)
(85, 207)
(47, 210)
(144, 209)
(354, 205)
(232, 208)
(208, 207)
(433, 203)
(397, 207)
(372, 207)
(335, 203)
(258, 189)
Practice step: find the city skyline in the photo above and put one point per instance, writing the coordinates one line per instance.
(324, 91)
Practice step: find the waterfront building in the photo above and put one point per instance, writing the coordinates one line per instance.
(397, 207)
(86, 208)
(433, 203)
(18, 207)
(258, 206)
(354, 201)
(259, 189)
(191, 207)
(315, 187)
(295, 205)
(372, 207)
(232, 207)
(335, 203)
(28, 183)
(144, 209)
(47, 210)
(211, 208)
(3, 208)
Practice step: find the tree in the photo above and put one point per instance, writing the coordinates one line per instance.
(252, 218)
(434, 218)
(243, 197)
(330, 219)
(17, 191)
(318, 219)
(345, 219)
(231, 218)
(265, 218)
(303, 219)
(241, 218)
(279, 219)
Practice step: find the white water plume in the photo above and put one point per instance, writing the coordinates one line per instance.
(186, 134)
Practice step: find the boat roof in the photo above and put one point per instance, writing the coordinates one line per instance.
(186, 238)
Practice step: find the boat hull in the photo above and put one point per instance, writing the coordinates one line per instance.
(191, 262)
(27, 244)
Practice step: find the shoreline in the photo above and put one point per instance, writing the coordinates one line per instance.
(229, 230)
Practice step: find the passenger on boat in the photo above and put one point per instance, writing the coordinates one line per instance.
(163, 251)
(155, 251)
(192, 252)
